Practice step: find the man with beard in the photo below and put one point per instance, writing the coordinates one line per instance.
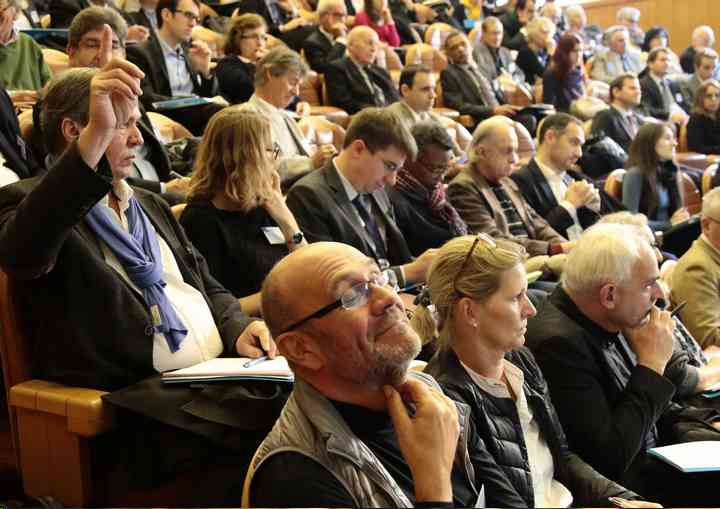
(345, 437)
(608, 386)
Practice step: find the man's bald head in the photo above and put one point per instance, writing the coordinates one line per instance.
(363, 44)
(494, 148)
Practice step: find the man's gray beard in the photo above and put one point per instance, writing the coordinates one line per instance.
(391, 364)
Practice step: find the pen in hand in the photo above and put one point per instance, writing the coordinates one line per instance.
(255, 362)
(677, 309)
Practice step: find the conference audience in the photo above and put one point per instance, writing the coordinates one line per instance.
(23, 66)
(651, 184)
(620, 121)
(567, 199)
(703, 129)
(658, 93)
(354, 81)
(702, 37)
(608, 387)
(696, 277)
(533, 58)
(490, 202)
(464, 87)
(173, 70)
(376, 15)
(422, 211)
(277, 82)
(244, 46)
(564, 80)
(329, 39)
(417, 91)
(494, 60)
(236, 214)
(706, 61)
(477, 290)
(658, 37)
(345, 438)
(347, 201)
(618, 58)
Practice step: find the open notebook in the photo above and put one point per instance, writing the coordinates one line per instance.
(691, 456)
(232, 368)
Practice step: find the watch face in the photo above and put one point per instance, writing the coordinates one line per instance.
(298, 238)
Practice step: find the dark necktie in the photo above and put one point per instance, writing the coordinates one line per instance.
(512, 217)
(364, 208)
(668, 99)
(633, 124)
(298, 144)
(378, 94)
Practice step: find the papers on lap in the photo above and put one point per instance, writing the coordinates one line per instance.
(232, 368)
(691, 456)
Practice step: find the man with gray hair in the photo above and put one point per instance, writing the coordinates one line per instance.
(618, 58)
(702, 37)
(327, 41)
(629, 17)
(23, 67)
(278, 76)
(492, 59)
(603, 347)
(696, 278)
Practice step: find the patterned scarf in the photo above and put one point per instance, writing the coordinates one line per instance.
(435, 197)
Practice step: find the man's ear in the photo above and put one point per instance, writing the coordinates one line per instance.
(70, 129)
(302, 350)
(608, 296)
(404, 90)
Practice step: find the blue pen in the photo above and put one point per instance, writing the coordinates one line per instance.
(254, 362)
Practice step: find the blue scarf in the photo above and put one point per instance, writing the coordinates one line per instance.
(139, 254)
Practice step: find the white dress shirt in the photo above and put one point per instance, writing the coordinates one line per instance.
(7, 176)
(548, 492)
(180, 79)
(203, 338)
(559, 188)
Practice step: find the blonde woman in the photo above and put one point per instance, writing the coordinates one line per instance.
(236, 215)
(477, 297)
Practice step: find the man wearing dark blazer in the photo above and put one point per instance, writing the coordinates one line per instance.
(660, 97)
(568, 200)
(18, 155)
(346, 201)
(603, 347)
(621, 121)
(174, 70)
(328, 41)
(354, 82)
(491, 58)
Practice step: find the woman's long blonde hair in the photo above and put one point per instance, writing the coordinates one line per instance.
(233, 159)
(479, 280)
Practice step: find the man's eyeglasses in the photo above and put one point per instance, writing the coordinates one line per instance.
(257, 37)
(190, 16)
(274, 151)
(489, 242)
(355, 296)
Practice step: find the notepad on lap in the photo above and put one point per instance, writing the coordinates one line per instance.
(232, 368)
(691, 456)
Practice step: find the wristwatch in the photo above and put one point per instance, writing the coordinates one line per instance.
(297, 239)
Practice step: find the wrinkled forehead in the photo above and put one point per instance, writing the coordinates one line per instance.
(340, 274)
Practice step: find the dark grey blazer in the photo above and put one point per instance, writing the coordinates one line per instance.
(460, 93)
(613, 124)
(486, 63)
(319, 51)
(347, 88)
(322, 209)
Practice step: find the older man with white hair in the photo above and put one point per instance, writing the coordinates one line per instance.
(576, 23)
(696, 278)
(329, 39)
(629, 17)
(618, 58)
(603, 347)
(702, 37)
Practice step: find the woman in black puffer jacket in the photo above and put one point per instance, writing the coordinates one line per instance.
(477, 299)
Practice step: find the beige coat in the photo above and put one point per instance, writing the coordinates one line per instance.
(696, 279)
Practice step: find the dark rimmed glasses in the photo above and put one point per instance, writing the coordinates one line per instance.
(488, 240)
(355, 296)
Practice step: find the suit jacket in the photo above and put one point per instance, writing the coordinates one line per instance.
(688, 89)
(696, 279)
(608, 65)
(653, 101)
(607, 411)
(511, 26)
(471, 195)
(322, 209)
(460, 93)
(537, 192)
(486, 63)
(347, 88)
(62, 12)
(18, 155)
(148, 56)
(319, 51)
(614, 125)
(96, 330)
(703, 134)
(531, 65)
(139, 18)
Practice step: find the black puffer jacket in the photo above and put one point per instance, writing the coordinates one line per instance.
(497, 422)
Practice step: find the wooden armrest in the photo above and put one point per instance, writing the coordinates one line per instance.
(333, 114)
(447, 112)
(84, 409)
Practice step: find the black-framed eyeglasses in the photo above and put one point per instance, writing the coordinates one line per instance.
(190, 16)
(274, 151)
(257, 37)
(355, 296)
(480, 236)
